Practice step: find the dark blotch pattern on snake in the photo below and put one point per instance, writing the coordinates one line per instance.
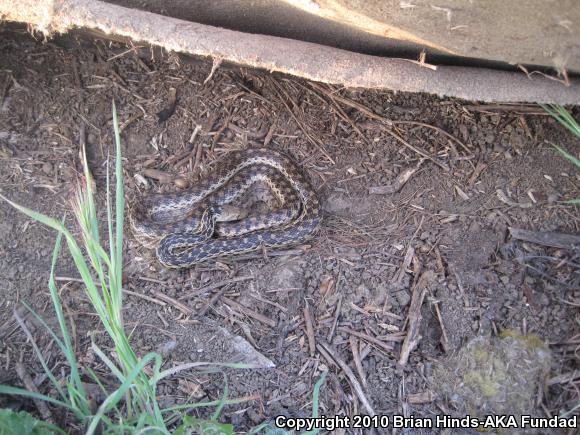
(190, 227)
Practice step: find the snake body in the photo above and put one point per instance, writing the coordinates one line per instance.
(187, 228)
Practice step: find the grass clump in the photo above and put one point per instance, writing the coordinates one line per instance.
(131, 405)
(567, 120)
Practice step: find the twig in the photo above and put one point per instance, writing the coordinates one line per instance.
(211, 302)
(300, 124)
(178, 305)
(215, 286)
(385, 124)
(281, 253)
(417, 150)
(414, 316)
(335, 320)
(444, 338)
(30, 386)
(564, 378)
(380, 343)
(398, 183)
(440, 130)
(553, 239)
(145, 297)
(216, 63)
(129, 292)
(309, 329)
(357, 360)
(249, 312)
(330, 354)
(128, 122)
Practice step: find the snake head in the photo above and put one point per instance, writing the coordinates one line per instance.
(228, 213)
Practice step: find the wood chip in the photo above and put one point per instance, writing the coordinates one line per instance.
(426, 396)
(414, 317)
(398, 183)
(503, 198)
(464, 196)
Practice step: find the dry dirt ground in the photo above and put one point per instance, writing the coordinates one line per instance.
(478, 170)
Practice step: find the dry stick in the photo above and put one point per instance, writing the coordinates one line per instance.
(414, 316)
(178, 305)
(385, 124)
(444, 338)
(30, 386)
(215, 286)
(344, 116)
(357, 360)
(440, 130)
(335, 320)
(161, 176)
(421, 398)
(564, 378)
(310, 138)
(386, 347)
(398, 183)
(330, 354)
(197, 160)
(283, 253)
(132, 119)
(129, 292)
(212, 302)
(545, 238)
(417, 150)
(249, 312)
(145, 297)
(309, 329)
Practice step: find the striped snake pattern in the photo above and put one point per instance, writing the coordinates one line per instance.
(200, 224)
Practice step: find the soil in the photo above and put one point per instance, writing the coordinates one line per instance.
(490, 167)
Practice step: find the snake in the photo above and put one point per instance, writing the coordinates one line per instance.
(200, 224)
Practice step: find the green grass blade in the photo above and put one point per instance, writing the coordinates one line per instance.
(119, 205)
(563, 117)
(76, 393)
(316, 394)
(112, 245)
(118, 394)
(53, 223)
(211, 404)
(157, 377)
(316, 400)
(223, 399)
(566, 154)
(15, 391)
(572, 201)
(75, 251)
(110, 364)
(40, 356)
(68, 350)
(571, 411)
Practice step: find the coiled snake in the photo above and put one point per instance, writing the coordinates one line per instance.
(190, 227)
